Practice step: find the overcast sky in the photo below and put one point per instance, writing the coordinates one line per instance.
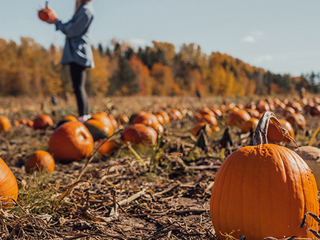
(282, 36)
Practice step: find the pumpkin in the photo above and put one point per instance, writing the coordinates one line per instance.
(42, 121)
(195, 130)
(113, 121)
(40, 160)
(315, 110)
(262, 106)
(297, 119)
(253, 113)
(263, 191)
(237, 117)
(175, 114)
(217, 112)
(275, 136)
(160, 118)
(139, 133)
(97, 129)
(8, 183)
(205, 110)
(165, 115)
(5, 124)
(122, 119)
(252, 123)
(46, 13)
(208, 118)
(108, 148)
(288, 111)
(104, 118)
(311, 155)
(70, 118)
(71, 141)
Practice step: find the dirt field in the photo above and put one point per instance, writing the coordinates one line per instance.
(116, 197)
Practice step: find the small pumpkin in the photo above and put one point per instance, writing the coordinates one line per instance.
(217, 112)
(175, 114)
(264, 190)
(165, 116)
(97, 129)
(8, 183)
(40, 160)
(122, 119)
(5, 124)
(108, 147)
(43, 121)
(298, 120)
(237, 117)
(252, 123)
(71, 141)
(139, 133)
(195, 130)
(275, 136)
(105, 120)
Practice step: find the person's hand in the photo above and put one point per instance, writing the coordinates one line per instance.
(52, 17)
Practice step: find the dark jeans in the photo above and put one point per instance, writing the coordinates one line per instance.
(78, 76)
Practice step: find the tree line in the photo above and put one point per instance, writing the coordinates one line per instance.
(28, 69)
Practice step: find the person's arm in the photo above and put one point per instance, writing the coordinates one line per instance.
(75, 26)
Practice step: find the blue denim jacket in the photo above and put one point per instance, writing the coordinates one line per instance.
(78, 45)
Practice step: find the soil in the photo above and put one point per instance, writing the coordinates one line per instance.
(116, 197)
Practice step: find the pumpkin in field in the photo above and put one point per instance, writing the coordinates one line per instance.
(5, 124)
(298, 120)
(165, 116)
(108, 147)
(237, 117)
(105, 120)
(40, 160)
(8, 183)
(71, 141)
(70, 118)
(42, 121)
(97, 129)
(149, 119)
(122, 119)
(201, 125)
(311, 155)
(113, 121)
(288, 111)
(208, 118)
(263, 191)
(139, 133)
(275, 136)
(217, 112)
(262, 106)
(175, 114)
(252, 123)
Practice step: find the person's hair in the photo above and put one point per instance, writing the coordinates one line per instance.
(79, 4)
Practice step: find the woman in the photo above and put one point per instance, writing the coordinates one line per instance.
(77, 51)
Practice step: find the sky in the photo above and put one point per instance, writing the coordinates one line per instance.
(282, 36)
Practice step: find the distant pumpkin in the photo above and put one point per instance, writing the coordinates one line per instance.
(42, 121)
(5, 124)
(139, 133)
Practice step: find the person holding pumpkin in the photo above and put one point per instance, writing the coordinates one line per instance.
(77, 52)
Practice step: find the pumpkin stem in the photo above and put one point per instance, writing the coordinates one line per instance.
(260, 134)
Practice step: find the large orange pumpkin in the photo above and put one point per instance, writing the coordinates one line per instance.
(71, 141)
(139, 133)
(264, 191)
(5, 124)
(42, 121)
(8, 183)
(40, 160)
